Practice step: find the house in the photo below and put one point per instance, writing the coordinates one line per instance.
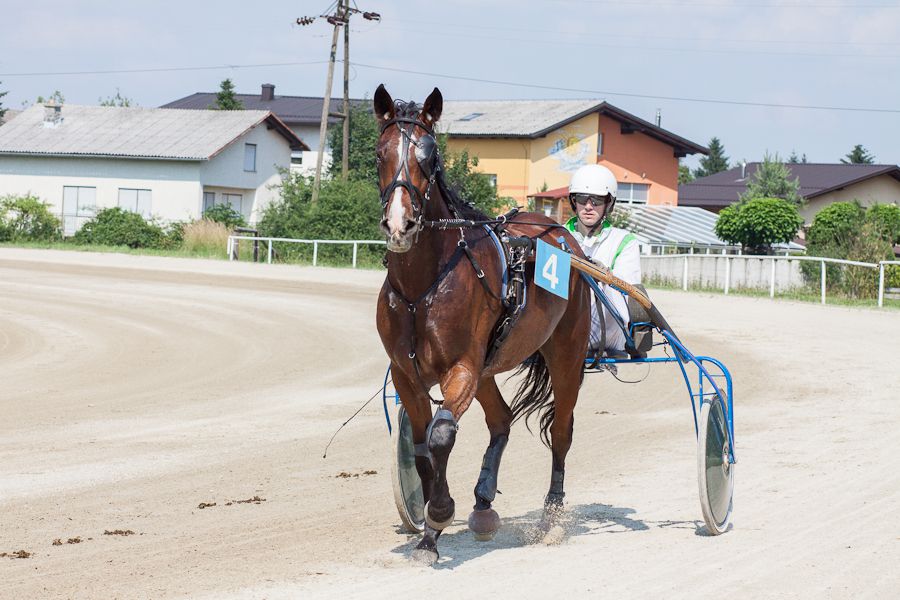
(302, 114)
(820, 185)
(529, 146)
(168, 164)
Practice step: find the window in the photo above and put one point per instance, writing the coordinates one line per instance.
(234, 201)
(79, 205)
(209, 200)
(600, 144)
(470, 116)
(136, 201)
(633, 193)
(492, 179)
(297, 157)
(79, 201)
(250, 157)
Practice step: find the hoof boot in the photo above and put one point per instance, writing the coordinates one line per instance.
(484, 524)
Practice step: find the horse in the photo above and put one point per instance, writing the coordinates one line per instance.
(437, 314)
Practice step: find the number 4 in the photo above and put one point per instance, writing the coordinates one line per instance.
(549, 271)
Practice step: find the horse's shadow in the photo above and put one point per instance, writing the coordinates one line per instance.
(459, 545)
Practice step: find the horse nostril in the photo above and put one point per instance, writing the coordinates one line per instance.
(384, 224)
(410, 223)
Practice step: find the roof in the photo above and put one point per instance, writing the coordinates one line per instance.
(150, 133)
(678, 225)
(293, 110)
(536, 118)
(721, 189)
(9, 115)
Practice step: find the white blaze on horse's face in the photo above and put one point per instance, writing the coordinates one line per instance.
(398, 223)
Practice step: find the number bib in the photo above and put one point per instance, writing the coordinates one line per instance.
(551, 269)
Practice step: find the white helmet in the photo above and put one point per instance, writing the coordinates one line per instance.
(596, 180)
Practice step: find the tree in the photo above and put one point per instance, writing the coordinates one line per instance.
(684, 174)
(117, 100)
(716, 162)
(2, 110)
(772, 180)
(794, 159)
(226, 99)
(858, 156)
(758, 223)
(363, 139)
(886, 218)
(56, 97)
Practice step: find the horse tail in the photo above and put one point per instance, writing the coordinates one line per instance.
(534, 395)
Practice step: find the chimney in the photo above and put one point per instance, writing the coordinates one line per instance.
(52, 114)
(659, 117)
(268, 92)
(744, 169)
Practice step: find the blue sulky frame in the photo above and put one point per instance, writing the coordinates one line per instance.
(702, 388)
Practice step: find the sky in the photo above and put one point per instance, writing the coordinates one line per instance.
(698, 61)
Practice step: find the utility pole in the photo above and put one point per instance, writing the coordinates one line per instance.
(345, 147)
(340, 18)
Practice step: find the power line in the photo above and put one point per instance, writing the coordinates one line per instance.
(631, 95)
(163, 69)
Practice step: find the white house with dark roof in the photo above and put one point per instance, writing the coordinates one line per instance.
(162, 163)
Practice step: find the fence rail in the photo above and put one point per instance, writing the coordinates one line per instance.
(780, 266)
(648, 263)
(234, 240)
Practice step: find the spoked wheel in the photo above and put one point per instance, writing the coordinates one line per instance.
(715, 470)
(407, 486)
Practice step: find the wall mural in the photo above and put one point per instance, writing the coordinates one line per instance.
(570, 149)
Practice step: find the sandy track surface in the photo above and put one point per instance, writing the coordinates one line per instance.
(136, 388)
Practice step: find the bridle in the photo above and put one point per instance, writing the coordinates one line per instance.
(427, 158)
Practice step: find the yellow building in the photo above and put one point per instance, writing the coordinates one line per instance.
(530, 146)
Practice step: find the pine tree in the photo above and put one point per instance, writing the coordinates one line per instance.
(226, 98)
(2, 110)
(684, 174)
(716, 162)
(858, 156)
(772, 180)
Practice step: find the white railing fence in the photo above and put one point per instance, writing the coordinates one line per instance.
(730, 271)
(235, 240)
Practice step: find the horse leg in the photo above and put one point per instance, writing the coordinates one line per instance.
(564, 353)
(484, 521)
(458, 388)
(418, 407)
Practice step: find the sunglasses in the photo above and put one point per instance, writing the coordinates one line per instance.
(597, 201)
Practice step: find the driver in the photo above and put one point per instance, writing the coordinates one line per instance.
(592, 196)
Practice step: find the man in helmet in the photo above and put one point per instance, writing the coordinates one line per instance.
(592, 195)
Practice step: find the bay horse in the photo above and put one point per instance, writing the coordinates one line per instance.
(438, 310)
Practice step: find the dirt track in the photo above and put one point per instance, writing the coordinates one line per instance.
(135, 389)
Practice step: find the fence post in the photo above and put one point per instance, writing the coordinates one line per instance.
(823, 281)
(684, 277)
(269, 253)
(880, 284)
(727, 274)
(772, 281)
(354, 254)
(315, 252)
(228, 250)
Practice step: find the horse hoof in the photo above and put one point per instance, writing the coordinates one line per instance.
(484, 524)
(424, 557)
(438, 525)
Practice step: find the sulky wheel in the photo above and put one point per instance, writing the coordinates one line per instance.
(407, 485)
(715, 470)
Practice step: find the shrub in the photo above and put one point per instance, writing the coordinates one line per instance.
(27, 218)
(835, 225)
(117, 227)
(886, 218)
(205, 237)
(223, 213)
(758, 223)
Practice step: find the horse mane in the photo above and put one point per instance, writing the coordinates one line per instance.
(456, 203)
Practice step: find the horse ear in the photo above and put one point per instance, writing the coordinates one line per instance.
(383, 104)
(433, 107)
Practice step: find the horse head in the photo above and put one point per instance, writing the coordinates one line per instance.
(408, 162)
